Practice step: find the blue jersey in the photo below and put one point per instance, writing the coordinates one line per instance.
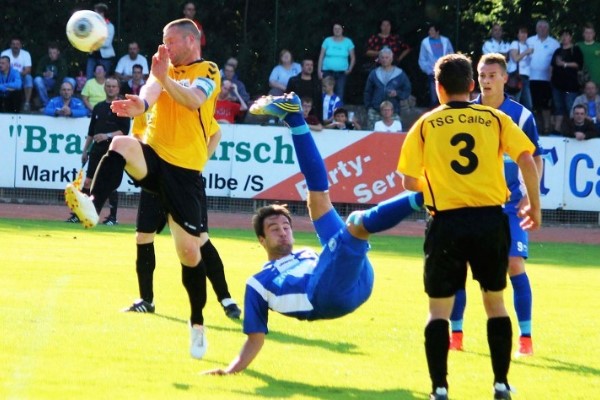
(526, 121)
(282, 286)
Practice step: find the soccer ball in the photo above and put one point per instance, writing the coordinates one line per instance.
(87, 30)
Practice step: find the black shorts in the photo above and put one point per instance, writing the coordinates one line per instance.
(94, 157)
(179, 190)
(479, 236)
(541, 94)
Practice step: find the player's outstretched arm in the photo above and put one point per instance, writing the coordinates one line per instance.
(412, 183)
(134, 105)
(531, 212)
(250, 350)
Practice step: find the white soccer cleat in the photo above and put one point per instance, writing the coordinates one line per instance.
(82, 205)
(198, 342)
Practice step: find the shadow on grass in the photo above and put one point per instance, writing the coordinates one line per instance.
(337, 347)
(281, 388)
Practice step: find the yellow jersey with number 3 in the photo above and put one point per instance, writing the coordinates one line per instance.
(458, 150)
(179, 134)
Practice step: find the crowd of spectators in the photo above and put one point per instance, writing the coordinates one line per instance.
(554, 76)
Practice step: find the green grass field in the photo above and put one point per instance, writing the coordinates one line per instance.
(63, 337)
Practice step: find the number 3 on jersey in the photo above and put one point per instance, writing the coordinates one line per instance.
(468, 144)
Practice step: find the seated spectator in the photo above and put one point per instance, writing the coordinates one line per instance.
(10, 87)
(591, 100)
(93, 91)
(306, 84)
(281, 74)
(229, 73)
(387, 122)
(386, 82)
(228, 110)
(580, 127)
(124, 69)
(135, 83)
(385, 38)
(331, 101)
(66, 105)
(50, 72)
(341, 121)
(21, 61)
(233, 62)
(311, 120)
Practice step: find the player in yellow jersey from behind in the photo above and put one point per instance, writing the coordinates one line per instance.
(183, 89)
(454, 155)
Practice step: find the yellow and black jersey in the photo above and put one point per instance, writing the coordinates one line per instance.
(178, 134)
(457, 149)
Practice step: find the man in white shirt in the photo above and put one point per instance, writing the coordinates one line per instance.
(495, 44)
(124, 69)
(540, 71)
(387, 122)
(21, 61)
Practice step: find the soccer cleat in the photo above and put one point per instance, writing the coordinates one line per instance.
(440, 393)
(456, 341)
(355, 218)
(277, 106)
(140, 306)
(110, 221)
(81, 205)
(525, 347)
(72, 219)
(198, 342)
(501, 391)
(232, 311)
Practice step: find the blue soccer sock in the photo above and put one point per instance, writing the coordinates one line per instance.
(297, 123)
(523, 300)
(389, 213)
(458, 311)
(310, 161)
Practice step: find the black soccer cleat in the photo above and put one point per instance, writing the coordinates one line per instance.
(140, 306)
(501, 391)
(232, 311)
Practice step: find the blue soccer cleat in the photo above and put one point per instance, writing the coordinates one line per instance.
(277, 106)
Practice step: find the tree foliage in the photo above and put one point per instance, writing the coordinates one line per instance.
(256, 30)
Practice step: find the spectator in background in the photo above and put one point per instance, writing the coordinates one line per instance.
(540, 70)
(591, 100)
(520, 56)
(385, 38)
(229, 74)
(104, 55)
(331, 101)
(386, 82)
(580, 127)
(230, 105)
(341, 120)
(10, 86)
(433, 47)
(50, 72)
(337, 58)
(124, 69)
(311, 120)
(566, 62)
(234, 63)
(495, 44)
(281, 74)
(21, 61)
(135, 83)
(65, 105)
(93, 91)
(387, 122)
(306, 84)
(189, 11)
(591, 53)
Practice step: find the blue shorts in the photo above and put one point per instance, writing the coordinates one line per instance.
(519, 239)
(343, 278)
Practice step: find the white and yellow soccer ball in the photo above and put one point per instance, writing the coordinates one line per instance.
(86, 30)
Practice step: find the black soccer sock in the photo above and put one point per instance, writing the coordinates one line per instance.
(85, 191)
(107, 178)
(194, 281)
(145, 264)
(113, 201)
(437, 341)
(215, 271)
(499, 335)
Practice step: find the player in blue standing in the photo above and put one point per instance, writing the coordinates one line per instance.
(302, 284)
(492, 76)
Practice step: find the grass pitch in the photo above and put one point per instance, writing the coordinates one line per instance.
(63, 337)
